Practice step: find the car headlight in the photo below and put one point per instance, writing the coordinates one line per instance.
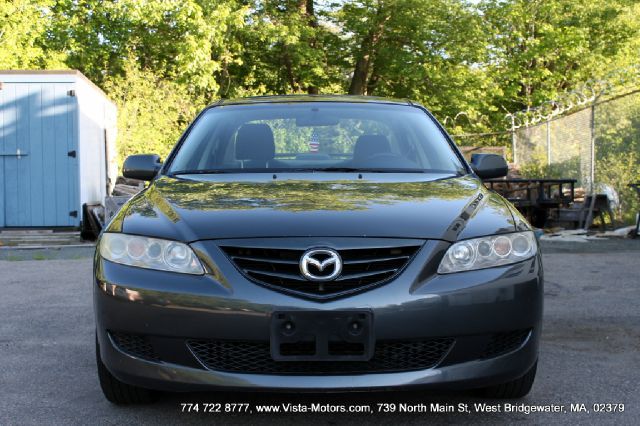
(150, 253)
(487, 252)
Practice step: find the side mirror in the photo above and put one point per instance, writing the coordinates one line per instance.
(488, 166)
(142, 167)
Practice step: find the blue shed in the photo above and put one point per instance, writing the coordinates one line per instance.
(57, 148)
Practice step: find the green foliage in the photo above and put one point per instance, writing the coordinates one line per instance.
(152, 112)
(470, 62)
(171, 38)
(427, 50)
(284, 47)
(618, 150)
(482, 57)
(540, 48)
(23, 42)
(538, 168)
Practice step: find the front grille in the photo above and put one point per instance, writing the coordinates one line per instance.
(502, 343)
(134, 345)
(279, 268)
(255, 357)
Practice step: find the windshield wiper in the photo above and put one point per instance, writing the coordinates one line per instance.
(363, 170)
(204, 172)
(224, 171)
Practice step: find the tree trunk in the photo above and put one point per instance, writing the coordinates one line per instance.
(307, 9)
(288, 66)
(368, 49)
(358, 81)
(373, 81)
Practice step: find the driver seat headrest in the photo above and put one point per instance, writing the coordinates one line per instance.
(254, 142)
(369, 145)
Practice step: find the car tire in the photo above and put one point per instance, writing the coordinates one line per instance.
(514, 389)
(118, 392)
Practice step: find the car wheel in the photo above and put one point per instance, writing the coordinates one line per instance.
(119, 392)
(514, 389)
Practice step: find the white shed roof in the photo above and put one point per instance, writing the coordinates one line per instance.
(48, 76)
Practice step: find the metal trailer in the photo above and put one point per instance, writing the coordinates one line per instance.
(57, 148)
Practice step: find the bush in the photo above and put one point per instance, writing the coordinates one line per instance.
(152, 112)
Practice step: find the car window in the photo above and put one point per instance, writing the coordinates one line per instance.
(336, 139)
(315, 136)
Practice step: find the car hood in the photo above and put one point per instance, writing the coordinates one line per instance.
(422, 206)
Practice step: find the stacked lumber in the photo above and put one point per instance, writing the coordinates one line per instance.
(127, 187)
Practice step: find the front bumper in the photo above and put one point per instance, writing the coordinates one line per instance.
(467, 307)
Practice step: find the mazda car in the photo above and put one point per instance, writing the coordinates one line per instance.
(316, 243)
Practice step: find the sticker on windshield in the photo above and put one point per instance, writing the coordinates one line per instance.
(314, 143)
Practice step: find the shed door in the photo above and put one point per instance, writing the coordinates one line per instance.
(38, 173)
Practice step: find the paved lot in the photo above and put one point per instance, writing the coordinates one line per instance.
(590, 354)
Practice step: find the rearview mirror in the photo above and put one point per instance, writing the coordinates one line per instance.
(488, 166)
(315, 119)
(142, 166)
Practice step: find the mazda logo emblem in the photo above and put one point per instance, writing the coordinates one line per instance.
(320, 264)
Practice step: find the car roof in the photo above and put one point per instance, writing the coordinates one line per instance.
(313, 98)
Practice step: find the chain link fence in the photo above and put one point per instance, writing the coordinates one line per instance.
(599, 146)
(559, 148)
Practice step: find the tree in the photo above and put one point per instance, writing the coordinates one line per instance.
(473, 60)
(23, 35)
(286, 48)
(152, 111)
(431, 51)
(170, 38)
(540, 48)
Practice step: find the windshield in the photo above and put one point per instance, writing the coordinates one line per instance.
(315, 136)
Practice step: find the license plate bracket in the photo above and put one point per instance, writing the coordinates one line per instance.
(322, 335)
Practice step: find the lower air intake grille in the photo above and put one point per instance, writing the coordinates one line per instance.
(134, 345)
(255, 357)
(502, 343)
(279, 268)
